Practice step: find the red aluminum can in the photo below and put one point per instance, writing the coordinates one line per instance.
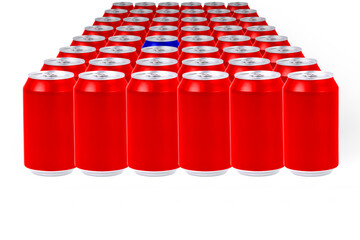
(100, 123)
(243, 13)
(167, 13)
(119, 52)
(163, 30)
(311, 123)
(237, 65)
(198, 52)
(48, 123)
(201, 64)
(162, 21)
(286, 66)
(213, 5)
(74, 65)
(83, 52)
(257, 31)
(226, 30)
(192, 13)
(100, 30)
(280, 52)
(156, 64)
(220, 21)
(221, 12)
(89, 40)
(126, 40)
(232, 40)
(168, 5)
(196, 40)
(108, 21)
(146, 5)
(111, 64)
(252, 21)
(190, 5)
(204, 134)
(137, 21)
(119, 13)
(233, 6)
(152, 123)
(190, 21)
(239, 52)
(148, 13)
(131, 30)
(159, 51)
(194, 30)
(264, 42)
(256, 136)
(123, 5)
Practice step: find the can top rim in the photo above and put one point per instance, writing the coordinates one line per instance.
(167, 4)
(195, 28)
(99, 28)
(163, 28)
(214, 4)
(226, 28)
(202, 61)
(65, 61)
(124, 38)
(157, 61)
(114, 11)
(136, 19)
(167, 10)
(77, 49)
(197, 38)
(154, 75)
(245, 11)
(296, 61)
(118, 49)
(205, 75)
(310, 75)
(141, 10)
(130, 28)
(283, 49)
(89, 38)
(107, 19)
(190, 4)
(271, 38)
(121, 4)
(193, 19)
(241, 49)
(109, 61)
(193, 11)
(253, 19)
(200, 49)
(144, 4)
(234, 38)
(165, 19)
(261, 28)
(257, 75)
(159, 49)
(161, 38)
(237, 4)
(218, 10)
(250, 61)
(223, 19)
(51, 75)
(101, 75)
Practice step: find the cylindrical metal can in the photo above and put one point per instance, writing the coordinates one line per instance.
(146, 5)
(163, 30)
(198, 52)
(239, 52)
(148, 13)
(108, 21)
(196, 40)
(161, 40)
(83, 52)
(190, 5)
(48, 123)
(220, 21)
(131, 30)
(126, 40)
(280, 52)
(256, 136)
(167, 13)
(119, 52)
(204, 134)
(89, 40)
(168, 5)
(233, 6)
(123, 5)
(111, 64)
(201, 64)
(159, 51)
(190, 21)
(213, 5)
(252, 21)
(220, 12)
(257, 31)
(237, 65)
(156, 64)
(286, 66)
(152, 123)
(161, 21)
(264, 42)
(100, 123)
(100, 30)
(243, 13)
(137, 21)
(68, 64)
(119, 13)
(194, 30)
(232, 40)
(192, 13)
(311, 123)
(226, 30)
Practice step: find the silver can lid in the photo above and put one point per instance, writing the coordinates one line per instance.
(77, 49)
(234, 38)
(154, 75)
(130, 28)
(214, 4)
(136, 19)
(122, 4)
(109, 61)
(245, 11)
(261, 28)
(159, 49)
(163, 28)
(296, 61)
(218, 11)
(310, 75)
(194, 19)
(165, 19)
(51, 75)
(167, 11)
(161, 38)
(124, 38)
(237, 4)
(253, 19)
(197, 38)
(117, 49)
(252, 61)
(228, 28)
(257, 75)
(193, 11)
(191, 4)
(101, 75)
(116, 11)
(168, 4)
(156, 61)
(107, 19)
(141, 11)
(145, 4)
(66, 61)
(200, 49)
(202, 61)
(223, 19)
(195, 28)
(283, 49)
(241, 49)
(271, 38)
(205, 75)
(88, 38)
(99, 28)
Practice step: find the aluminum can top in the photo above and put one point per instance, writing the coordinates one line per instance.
(51, 75)
(165, 19)
(195, 28)
(89, 38)
(109, 61)
(257, 75)
(271, 38)
(310, 75)
(223, 19)
(154, 75)
(241, 49)
(124, 38)
(101, 75)
(159, 49)
(197, 38)
(193, 11)
(77, 49)
(234, 38)
(191, 4)
(227, 28)
(202, 61)
(136, 19)
(200, 49)
(116, 11)
(253, 19)
(130, 28)
(163, 28)
(156, 61)
(144, 4)
(168, 4)
(117, 49)
(253, 61)
(283, 49)
(205, 75)
(218, 11)
(107, 19)
(214, 4)
(141, 11)
(161, 38)
(66, 61)
(122, 4)
(167, 11)
(244, 11)
(261, 28)
(99, 28)
(296, 61)
(194, 19)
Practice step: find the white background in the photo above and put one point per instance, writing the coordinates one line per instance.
(180, 206)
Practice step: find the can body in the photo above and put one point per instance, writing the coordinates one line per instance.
(74, 65)
(48, 123)
(111, 64)
(239, 52)
(237, 65)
